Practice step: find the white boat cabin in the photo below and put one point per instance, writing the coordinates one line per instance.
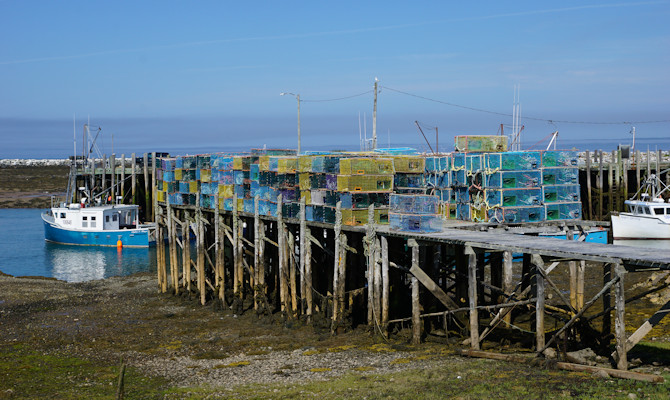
(656, 208)
(99, 218)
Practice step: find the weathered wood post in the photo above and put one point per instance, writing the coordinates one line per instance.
(607, 318)
(385, 285)
(416, 305)
(147, 193)
(201, 252)
(539, 304)
(186, 250)
(292, 273)
(123, 178)
(638, 165)
(301, 244)
(601, 187)
(112, 186)
(283, 262)
(308, 275)
(133, 179)
(620, 324)
(472, 295)
(336, 268)
(370, 244)
(508, 279)
(589, 207)
(236, 255)
(104, 174)
(220, 241)
(153, 180)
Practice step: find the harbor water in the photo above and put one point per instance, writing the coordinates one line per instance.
(26, 253)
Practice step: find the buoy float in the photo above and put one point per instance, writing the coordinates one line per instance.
(119, 244)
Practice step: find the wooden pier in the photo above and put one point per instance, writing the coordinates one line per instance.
(458, 282)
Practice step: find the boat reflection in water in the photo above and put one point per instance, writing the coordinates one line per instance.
(86, 263)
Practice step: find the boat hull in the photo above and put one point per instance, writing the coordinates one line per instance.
(128, 237)
(629, 226)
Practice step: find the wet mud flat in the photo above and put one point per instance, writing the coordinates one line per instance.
(64, 340)
(31, 186)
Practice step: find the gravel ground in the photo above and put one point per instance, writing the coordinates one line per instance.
(176, 338)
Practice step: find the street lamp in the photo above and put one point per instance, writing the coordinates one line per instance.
(297, 96)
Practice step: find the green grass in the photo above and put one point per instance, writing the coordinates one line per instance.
(28, 374)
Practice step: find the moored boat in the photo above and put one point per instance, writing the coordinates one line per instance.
(104, 225)
(647, 214)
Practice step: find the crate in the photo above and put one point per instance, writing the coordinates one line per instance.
(461, 195)
(513, 197)
(264, 163)
(189, 175)
(561, 193)
(474, 162)
(194, 187)
(207, 201)
(287, 165)
(560, 211)
(289, 195)
(478, 213)
(361, 216)
(513, 161)
(307, 195)
(305, 163)
(459, 177)
(560, 176)
(513, 179)
(268, 208)
(414, 223)
(205, 175)
(484, 143)
(360, 200)
(286, 181)
(444, 195)
(184, 187)
(176, 199)
(227, 177)
(463, 211)
(560, 158)
(320, 214)
(226, 190)
(178, 174)
(409, 164)
(516, 214)
(254, 170)
(241, 163)
(366, 166)
(438, 180)
(160, 196)
(438, 164)
(447, 211)
(203, 162)
(209, 188)
(190, 162)
(326, 164)
(364, 183)
(304, 181)
(240, 177)
(403, 180)
(413, 204)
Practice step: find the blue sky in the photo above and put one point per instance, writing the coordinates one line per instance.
(206, 76)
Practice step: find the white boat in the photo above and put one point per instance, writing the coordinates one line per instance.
(647, 214)
(96, 220)
(104, 225)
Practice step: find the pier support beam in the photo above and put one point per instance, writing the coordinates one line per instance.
(539, 304)
(416, 305)
(620, 324)
(472, 296)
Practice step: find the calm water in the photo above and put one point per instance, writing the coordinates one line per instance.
(25, 253)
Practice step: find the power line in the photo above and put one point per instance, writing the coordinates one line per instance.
(336, 99)
(551, 121)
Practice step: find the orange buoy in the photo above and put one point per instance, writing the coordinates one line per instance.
(119, 244)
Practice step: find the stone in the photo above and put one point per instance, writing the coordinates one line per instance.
(601, 374)
(549, 353)
(584, 356)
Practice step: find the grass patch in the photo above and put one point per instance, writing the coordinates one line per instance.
(29, 374)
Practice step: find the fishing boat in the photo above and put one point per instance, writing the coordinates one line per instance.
(90, 217)
(104, 225)
(647, 214)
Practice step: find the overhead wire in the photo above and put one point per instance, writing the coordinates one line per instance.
(337, 99)
(550, 121)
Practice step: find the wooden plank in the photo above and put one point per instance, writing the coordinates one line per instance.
(336, 268)
(508, 279)
(186, 252)
(589, 205)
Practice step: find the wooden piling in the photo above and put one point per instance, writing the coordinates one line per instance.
(220, 240)
(508, 279)
(201, 253)
(112, 172)
(104, 175)
(601, 187)
(186, 251)
(283, 262)
(472, 296)
(292, 273)
(236, 253)
(336, 268)
(385, 285)
(589, 206)
(147, 195)
(133, 179)
(539, 304)
(620, 324)
(301, 244)
(123, 178)
(153, 181)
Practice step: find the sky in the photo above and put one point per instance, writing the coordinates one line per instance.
(199, 77)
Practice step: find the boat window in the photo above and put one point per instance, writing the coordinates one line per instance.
(92, 218)
(659, 211)
(114, 217)
(106, 218)
(92, 224)
(84, 222)
(646, 210)
(85, 218)
(62, 215)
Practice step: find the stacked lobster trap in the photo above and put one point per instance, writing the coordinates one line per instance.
(410, 191)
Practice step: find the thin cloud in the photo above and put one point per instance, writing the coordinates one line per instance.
(330, 33)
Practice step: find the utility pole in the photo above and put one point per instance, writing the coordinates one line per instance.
(297, 96)
(374, 119)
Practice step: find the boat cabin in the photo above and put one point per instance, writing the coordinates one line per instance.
(652, 208)
(112, 217)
